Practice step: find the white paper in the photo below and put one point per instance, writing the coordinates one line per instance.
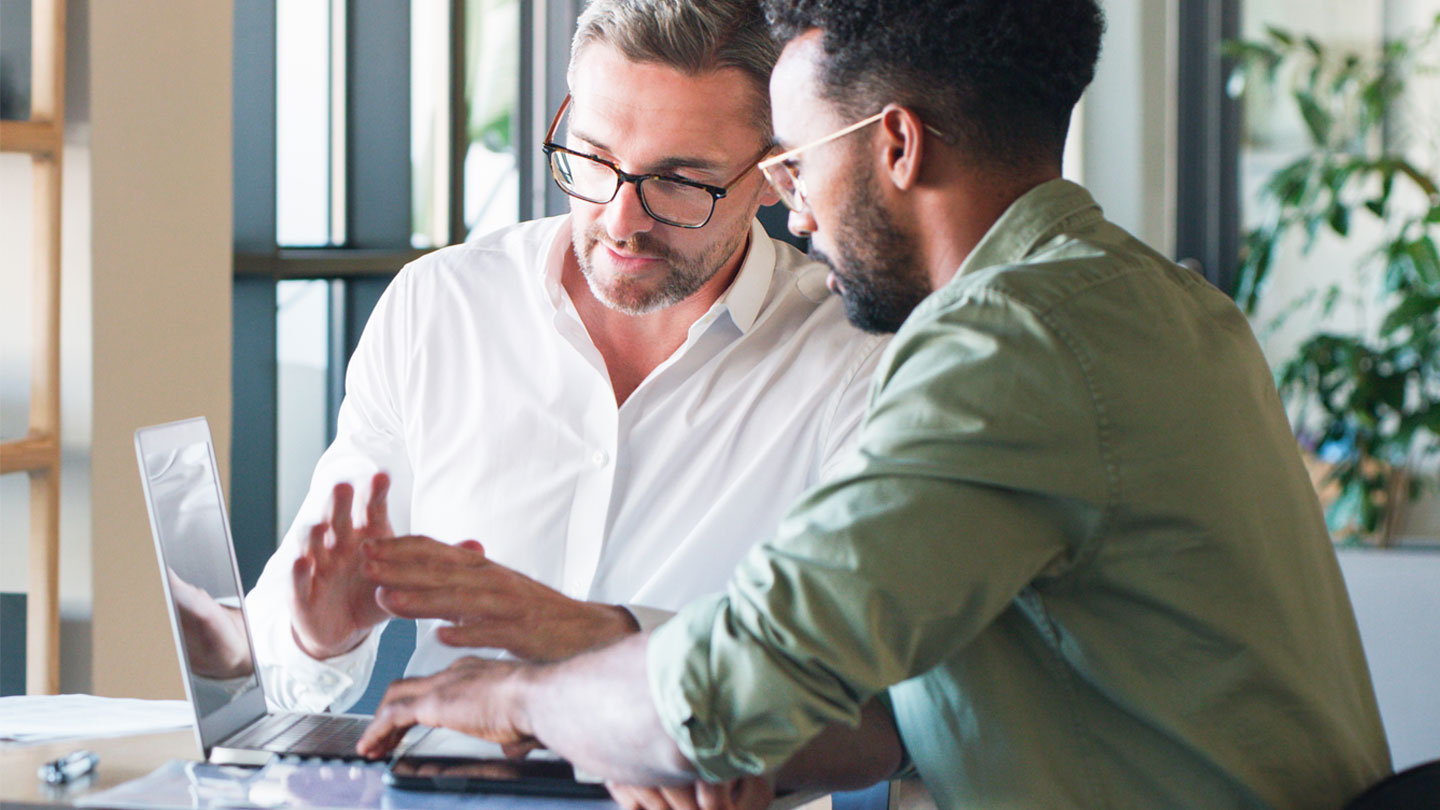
(46, 718)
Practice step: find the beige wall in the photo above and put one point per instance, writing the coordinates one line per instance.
(161, 249)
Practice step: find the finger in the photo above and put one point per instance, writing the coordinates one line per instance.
(301, 573)
(420, 562)
(396, 714)
(314, 543)
(482, 633)
(392, 720)
(712, 796)
(519, 750)
(680, 798)
(471, 545)
(446, 603)
(377, 511)
(624, 795)
(342, 498)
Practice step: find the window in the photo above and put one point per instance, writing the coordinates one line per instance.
(337, 187)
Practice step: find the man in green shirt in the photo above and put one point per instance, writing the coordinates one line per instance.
(1075, 551)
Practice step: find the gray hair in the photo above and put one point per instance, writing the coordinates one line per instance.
(692, 36)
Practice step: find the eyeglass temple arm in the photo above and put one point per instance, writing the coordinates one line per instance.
(555, 124)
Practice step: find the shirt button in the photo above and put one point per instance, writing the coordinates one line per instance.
(599, 458)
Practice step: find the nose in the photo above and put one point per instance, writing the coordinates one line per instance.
(625, 216)
(802, 223)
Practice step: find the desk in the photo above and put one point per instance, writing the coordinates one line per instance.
(121, 759)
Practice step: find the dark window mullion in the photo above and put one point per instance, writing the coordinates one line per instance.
(377, 122)
(1208, 129)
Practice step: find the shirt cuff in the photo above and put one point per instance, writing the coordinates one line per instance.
(648, 618)
(297, 682)
(674, 662)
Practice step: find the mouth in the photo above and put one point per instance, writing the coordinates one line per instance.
(625, 260)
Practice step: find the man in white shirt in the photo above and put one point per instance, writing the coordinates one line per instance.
(597, 405)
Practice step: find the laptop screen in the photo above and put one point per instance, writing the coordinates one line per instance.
(189, 522)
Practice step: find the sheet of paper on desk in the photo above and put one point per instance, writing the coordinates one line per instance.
(44, 718)
(301, 784)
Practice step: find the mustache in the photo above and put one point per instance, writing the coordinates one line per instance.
(641, 244)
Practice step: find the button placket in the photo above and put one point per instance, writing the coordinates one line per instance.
(589, 513)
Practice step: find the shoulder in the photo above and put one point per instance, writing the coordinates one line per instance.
(510, 253)
(800, 307)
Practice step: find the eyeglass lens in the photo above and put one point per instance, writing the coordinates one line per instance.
(782, 178)
(667, 201)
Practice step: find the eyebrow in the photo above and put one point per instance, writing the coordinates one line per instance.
(665, 166)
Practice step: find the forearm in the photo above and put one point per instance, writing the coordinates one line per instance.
(596, 711)
(844, 758)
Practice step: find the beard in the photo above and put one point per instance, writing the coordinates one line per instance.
(684, 274)
(881, 281)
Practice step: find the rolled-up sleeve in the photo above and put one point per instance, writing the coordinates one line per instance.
(973, 476)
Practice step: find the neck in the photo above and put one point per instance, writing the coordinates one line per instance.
(634, 345)
(952, 217)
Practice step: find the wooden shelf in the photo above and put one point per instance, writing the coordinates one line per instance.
(31, 137)
(27, 454)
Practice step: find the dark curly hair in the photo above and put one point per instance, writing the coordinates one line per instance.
(1000, 77)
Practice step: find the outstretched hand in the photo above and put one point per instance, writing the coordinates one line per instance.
(333, 606)
(488, 604)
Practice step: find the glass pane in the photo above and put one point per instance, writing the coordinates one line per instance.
(491, 179)
(303, 159)
(15, 59)
(14, 532)
(430, 123)
(16, 281)
(1274, 134)
(303, 360)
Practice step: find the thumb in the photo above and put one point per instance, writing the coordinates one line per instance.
(472, 545)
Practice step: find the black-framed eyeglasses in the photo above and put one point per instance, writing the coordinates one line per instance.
(667, 199)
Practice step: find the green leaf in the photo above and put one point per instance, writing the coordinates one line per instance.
(1317, 120)
(1377, 207)
(1407, 311)
(1434, 216)
(1340, 219)
(1280, 35)
(1426, 261)
(1313, 45)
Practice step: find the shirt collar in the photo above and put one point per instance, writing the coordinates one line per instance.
(743, 300)
(746, 296)
(1051, 208)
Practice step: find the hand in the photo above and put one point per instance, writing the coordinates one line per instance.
(215, 641)
(473, 696)
(333, 605)
(489, 605)
(750, 793)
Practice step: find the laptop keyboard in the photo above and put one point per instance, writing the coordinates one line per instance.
(306, 735)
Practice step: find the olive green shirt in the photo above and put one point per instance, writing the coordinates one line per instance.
(1075, 542)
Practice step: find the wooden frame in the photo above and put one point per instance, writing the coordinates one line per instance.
(38, 454)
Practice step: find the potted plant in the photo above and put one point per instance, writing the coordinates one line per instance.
(1365, 404)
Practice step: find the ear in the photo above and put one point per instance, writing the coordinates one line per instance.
(902, 144)
(768, 195)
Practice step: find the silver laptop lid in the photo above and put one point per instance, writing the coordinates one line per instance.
(200, 576)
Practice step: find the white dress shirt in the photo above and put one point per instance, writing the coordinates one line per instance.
(477, 388)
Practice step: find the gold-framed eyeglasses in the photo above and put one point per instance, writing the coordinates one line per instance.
(783, 175)
(667, 199)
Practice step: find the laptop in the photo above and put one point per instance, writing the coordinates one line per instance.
(201, 577)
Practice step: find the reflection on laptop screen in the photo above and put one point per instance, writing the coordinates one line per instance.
(185, 497)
